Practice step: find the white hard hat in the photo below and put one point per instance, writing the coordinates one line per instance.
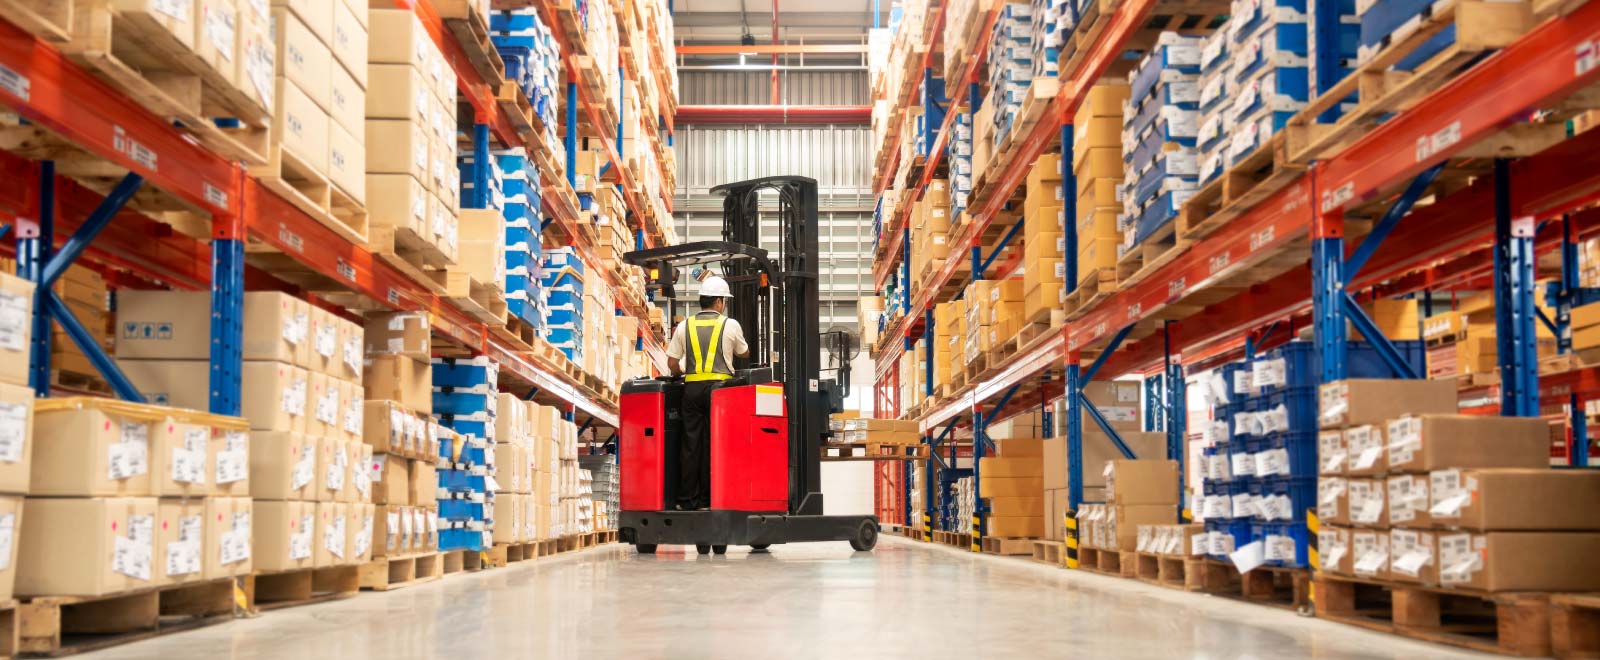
(715, 287)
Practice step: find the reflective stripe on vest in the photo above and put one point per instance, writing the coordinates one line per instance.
(708, 365)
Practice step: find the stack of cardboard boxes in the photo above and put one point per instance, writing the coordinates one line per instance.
(1012, 483)
(994, 315)
(513, 469)
(301, 388)
(410, 118)
(1044, 269)
(1097, 164)
(930, 228)
(1462, 343)
(950, 334)
(564, 516)
(1440, 499)
(400, 431)
(16, 419)
(84, 292)
(167, 490)
(319, 93)
(1118, 402)
(1138, 492)
(1182, 541)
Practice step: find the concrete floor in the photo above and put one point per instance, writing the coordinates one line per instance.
(807, 601)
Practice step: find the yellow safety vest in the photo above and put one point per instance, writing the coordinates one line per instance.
(706, 361)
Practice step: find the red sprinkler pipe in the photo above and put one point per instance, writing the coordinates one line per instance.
(773, 114)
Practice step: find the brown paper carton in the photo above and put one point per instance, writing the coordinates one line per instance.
(399, 333)
(1334, 549)
(360, 521)
(1367, 500)
(1011, 487)
(83, 451)
(1413, 556)
(1010, 467)
(275, 396)
(283, 466)
(394, 480)
(1141, 481)
(10, 527)
(387, 539)
(1519, 561)
(228, 543)
(1422, 443)
(1016, 506)
(229, 450)
(16, 434)
(282, 535)
(1376, 401)
(1513, 499)
(1333, 501)
(1369, 553)
(176, 325)
(180, 541)
(331, 536)
(180, 459)
(333, 471)
(16, 296)
(424, 483)
(400, 379)
(1015, 527)
(69, 546)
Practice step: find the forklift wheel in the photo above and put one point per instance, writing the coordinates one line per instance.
(645, 548)
(720, 549)
(760, 547)
(702, 549)
(866, 536)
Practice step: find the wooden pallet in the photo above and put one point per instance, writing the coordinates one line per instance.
(1041, 94)
(1109, 562)
(1267, 585)
(1185, 16)
(1049, 552)
(456, 561)
(1509, 624)
(50, 20)
(607, 536)
(472, 32)
(1008, 547)
(386, 573)
(503, 554)
(409, 252)
(1243, 186)
(1144, 259)
(1446, 339)
(963, 541)
(480, 300)
(140, 57)
(1093, 287)
(1575, 625)
(1027, 335)
(270, 591)
(1480, 26)
(311, 191)
(1165, 570)
(64, 625)
(518, 110)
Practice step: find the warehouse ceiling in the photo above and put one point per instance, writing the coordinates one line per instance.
(807, 21)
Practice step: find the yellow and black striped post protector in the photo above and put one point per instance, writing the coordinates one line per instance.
(1313, 554)
(977, 532)
(927, 527)
(1069, 519)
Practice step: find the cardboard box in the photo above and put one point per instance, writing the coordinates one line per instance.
(333, 471)
(255, 64)
(227, 542)
(1365, 447)
(16, 297)
(1097, 451)
(1016, 506)
(176, 325)
(1334, 549)
(1055, 512)
(399, 333)
(69, 546)
(1096, 163)
(387, 537)
(1125, 521)
(180, 541)
(230, 460)
(1015, 527)
(348, 41)
(360, 521)
(393, 484)
(1511, 499)
(216, 38)
(16, 437)
(1367, 502)
(424, 483)
(10, 526)
(283, 465)
(1148, 481)
(1408, 501)
(347, 162)
(84, 451)
(180, 459)
(347, 109)
(1433, 442)
(1369, 553)
(397, 91)
(303, 59)
(281, 535)
(1095, 255)
(317, 15)
(322, 414)
(1376, 401)
(1011, 487)
(1097, 132)
(1413, 556)
(331, 536)
(399, 201)
(275, 396)
(390, 429)
(1096, 225)
(1103, 100)
(403, 380)
(1332, 452)
(398, 146)
(1333, 500)
(1519, 561)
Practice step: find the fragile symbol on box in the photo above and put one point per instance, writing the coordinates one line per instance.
(147, 330)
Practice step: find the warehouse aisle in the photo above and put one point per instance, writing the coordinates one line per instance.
(819, 601)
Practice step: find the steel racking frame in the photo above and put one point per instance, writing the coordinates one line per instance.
(45, 88)
(1552, 61)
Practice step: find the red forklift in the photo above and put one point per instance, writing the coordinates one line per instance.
(767, 422)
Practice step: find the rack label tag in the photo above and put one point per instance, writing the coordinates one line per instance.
(15, 83)
(132, 149)
(215, 196)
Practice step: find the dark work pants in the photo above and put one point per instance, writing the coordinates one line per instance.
(694, 462)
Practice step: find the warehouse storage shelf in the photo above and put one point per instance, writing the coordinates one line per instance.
(54, 93)
(1214, 299)
(889, 152)
(482, 96)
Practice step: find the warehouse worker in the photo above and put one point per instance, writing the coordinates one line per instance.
(711, 340)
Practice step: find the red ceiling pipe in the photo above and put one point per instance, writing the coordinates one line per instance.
(773, 114)
(775, 100)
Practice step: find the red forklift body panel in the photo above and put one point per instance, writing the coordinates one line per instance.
(642, 450)
(749, 449)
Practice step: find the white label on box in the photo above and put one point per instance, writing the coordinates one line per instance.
(1458, 558)
(352, 418)
(352, 354)
(391, 529)
(180, 10)
(304, 468)
(131, 555)
(13, 431)
(364, 536)
(221, 32)
(1405, 439)
(8, 533)
(14, 321)
(1450, 507)
(300, 541)
(1242, 383)
(328, 407)
(259, 66)
(1371, 509)
(233, 462)
(333, 537)
(1335, 402)
(1274, 420)
(1264, 373)
(1243, 465)
(130, 456)
(327, 340)
(1371, 562)
(1413, 560)
(333, 479)
(294, 397)
(1367, 458)
(183, 555)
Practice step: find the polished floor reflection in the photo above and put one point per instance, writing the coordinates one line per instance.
(905, 600)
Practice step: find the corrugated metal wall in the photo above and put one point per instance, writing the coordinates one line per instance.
(755, 87)
(838, 157)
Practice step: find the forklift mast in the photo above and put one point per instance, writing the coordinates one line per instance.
(790, 316)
